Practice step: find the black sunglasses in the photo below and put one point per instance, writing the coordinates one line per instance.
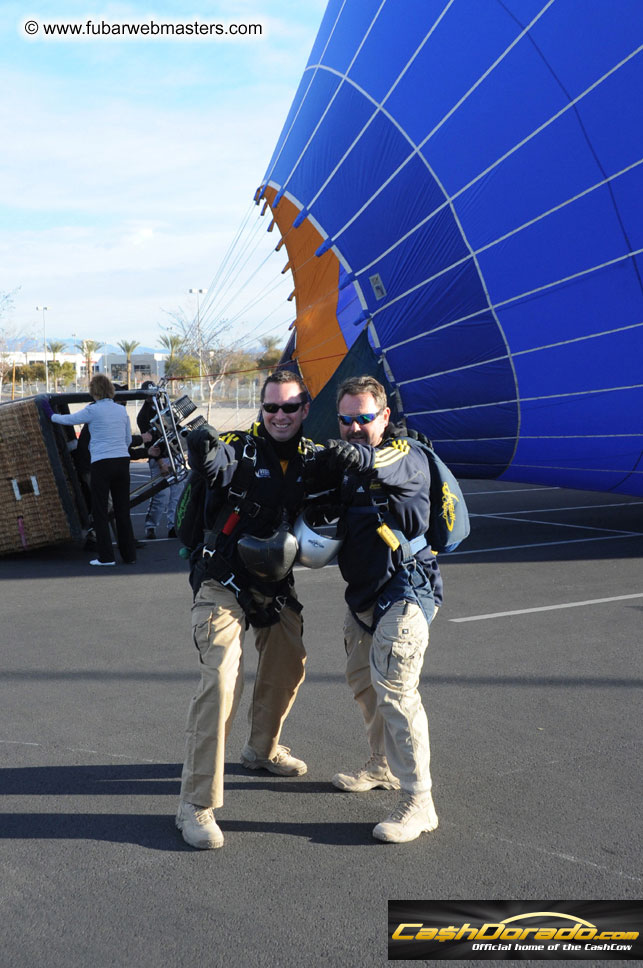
(286, 407)
(361, 418)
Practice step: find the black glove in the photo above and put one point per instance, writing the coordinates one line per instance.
(420, 437)
(203, 439)
(343, 456)
(201, 442)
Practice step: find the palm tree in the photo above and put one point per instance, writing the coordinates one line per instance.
(173, 343)
(88, 347)
(128, 347)
(55, 346)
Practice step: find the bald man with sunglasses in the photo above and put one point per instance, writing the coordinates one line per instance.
(393, 592)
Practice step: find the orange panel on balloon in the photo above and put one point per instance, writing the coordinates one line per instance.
(320, 343)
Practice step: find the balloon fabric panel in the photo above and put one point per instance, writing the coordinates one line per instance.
(471, 176)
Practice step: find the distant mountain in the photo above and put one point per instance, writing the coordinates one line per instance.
(33, 345)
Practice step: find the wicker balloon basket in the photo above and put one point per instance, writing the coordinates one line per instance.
(40, 501)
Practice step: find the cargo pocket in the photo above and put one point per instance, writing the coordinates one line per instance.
(399, 644)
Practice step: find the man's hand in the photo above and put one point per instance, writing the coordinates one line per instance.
(203, 441)
(343, 456)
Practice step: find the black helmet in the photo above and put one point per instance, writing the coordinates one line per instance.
(269, 558)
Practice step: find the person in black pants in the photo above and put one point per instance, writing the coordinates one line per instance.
(111, 436)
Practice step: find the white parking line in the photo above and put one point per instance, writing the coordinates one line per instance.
(547, 608)
(577, 507)
(509, 490)
(542, 544)
(507, 516)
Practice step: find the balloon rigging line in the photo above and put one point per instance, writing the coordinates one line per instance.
(230, 252)
(191, 331)
(236, 266)
(215, 315)
(250, 305)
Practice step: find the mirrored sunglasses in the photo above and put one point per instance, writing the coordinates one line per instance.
(361, 418)
(286, 407)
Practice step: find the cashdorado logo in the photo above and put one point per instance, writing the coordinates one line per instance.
(535, 933)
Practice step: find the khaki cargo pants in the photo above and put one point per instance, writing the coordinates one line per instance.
(383, 670)
(218, 629)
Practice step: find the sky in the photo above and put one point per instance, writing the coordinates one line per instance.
(127, 166)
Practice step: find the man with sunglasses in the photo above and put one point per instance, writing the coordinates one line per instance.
(393, 591)
(241, 576)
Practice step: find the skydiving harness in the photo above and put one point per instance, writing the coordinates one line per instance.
(410, 581)
(216, 566)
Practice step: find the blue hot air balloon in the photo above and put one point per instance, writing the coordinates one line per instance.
(459, 188)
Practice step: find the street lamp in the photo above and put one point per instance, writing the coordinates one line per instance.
(197, 293)
(44, 337)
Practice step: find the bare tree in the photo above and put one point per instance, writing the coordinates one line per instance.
(9, 340)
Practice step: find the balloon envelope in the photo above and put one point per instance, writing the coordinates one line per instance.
(459, 187)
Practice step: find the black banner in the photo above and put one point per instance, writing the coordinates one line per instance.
(514, 930)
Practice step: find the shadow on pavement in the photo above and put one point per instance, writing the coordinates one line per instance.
(157, 831)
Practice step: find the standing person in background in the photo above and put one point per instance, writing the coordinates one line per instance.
(164, 501)
(111, 436)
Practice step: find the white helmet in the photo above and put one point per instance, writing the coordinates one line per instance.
(317, 532)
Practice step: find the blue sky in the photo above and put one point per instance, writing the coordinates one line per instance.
(127, 165)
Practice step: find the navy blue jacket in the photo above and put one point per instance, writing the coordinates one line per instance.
(399, 472)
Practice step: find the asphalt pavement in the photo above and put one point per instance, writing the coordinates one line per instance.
(532, 684)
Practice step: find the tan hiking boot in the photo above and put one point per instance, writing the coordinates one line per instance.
(411, 817)
(198, 826)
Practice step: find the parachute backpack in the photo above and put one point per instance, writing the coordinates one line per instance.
(189, 510)
(449, 522)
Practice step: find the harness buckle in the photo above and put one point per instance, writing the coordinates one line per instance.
(230, 583)
(279, 602)
(249, 452)
(208, 552)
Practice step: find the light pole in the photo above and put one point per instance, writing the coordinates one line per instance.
(44, 337)
(197, 293)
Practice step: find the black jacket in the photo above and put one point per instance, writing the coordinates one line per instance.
(276, 486)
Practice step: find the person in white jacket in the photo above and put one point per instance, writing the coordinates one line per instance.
(111, 436)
